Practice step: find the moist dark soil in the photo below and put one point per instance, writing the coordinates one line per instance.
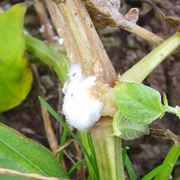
(124, 50)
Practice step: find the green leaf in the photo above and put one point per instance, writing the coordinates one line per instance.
(24, 155)
(128, 129)
(130, 168)
(169, 161)
(63, 137)
(155, 171)
(164, 170)
(54, 59)
(15, 74)
(138, 102)
(74, 167)
(128, 164)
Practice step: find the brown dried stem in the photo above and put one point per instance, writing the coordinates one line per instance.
(44, 20)
(49, 130)
(106, 13)
(147, 35)
(167, 134)
(32, 176)
(82, 42)
(45, 115)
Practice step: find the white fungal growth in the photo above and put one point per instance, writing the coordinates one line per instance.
(80, 108)
(61, 41)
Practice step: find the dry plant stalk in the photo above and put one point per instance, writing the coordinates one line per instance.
(167, 134)
(106, 13)
(49, 130)
(31, 176)
(173, 21)
(44, 20)
(81, 40)
(45, 116)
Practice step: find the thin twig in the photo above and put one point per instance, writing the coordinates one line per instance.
(44, 20)
(145, 34)
(109, 16)
(45, 115)
(167, 134)
(69, 157)
(31, 176)
(62, 148)
(49, 130)
(70, 141)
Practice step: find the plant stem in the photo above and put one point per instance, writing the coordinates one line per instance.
(174, 110)
(84, 47)
(170, 160)
(56, 60)
(145, 66)
(82, 43)
(108, 150)
(145, 34)
(171, 110)
(48, 33)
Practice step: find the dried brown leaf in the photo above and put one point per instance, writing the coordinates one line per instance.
(173, 21)
(106, 13)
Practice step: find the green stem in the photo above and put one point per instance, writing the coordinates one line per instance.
(56, 60)
(173, 110)
(145, 66)
(108, 151)
(91, 161)
(170, 160)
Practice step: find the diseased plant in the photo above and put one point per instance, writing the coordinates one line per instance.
(104, 107)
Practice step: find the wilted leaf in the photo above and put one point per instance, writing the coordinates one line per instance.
(106, 13)
(15, 74)
(138, 102)
(128, 129)
(25, 155)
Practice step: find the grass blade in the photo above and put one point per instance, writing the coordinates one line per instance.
(86, 140)
(169, 161)
(62, 142)
(130, 168)
(127, 164)
(57, 117)
(155, 171)
(65, 125)
(74, 167)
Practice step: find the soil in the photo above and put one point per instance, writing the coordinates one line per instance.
(124, 50)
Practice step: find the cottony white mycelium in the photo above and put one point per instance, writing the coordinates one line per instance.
(83, 102)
